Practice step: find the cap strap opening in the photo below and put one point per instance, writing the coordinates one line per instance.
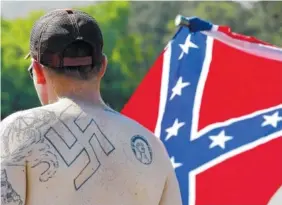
(78, 61)
(69, 11)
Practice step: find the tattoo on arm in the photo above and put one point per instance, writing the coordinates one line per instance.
(8, 194)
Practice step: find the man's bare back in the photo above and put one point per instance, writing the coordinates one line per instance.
(70, 153)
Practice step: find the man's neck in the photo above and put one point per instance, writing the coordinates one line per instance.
(88, 100)
(85, 93)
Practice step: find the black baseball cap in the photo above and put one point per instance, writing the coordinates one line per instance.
(58, 29)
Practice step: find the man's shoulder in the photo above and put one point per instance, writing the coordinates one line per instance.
(138, 129)
(24, 119)
(142, 136)
(126, 121)
(22, 129)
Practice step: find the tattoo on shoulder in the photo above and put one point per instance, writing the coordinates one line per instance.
(141, 149)
(8, 194)
(60, 143)
(24, 131)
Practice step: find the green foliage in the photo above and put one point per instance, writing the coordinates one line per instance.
(134, 35)
(266, 21)
(17, 91)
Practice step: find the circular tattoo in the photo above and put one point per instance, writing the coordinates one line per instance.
(141, 149)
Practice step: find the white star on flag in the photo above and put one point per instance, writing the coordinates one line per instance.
(185, 47)
(173, 130)
(219, 140)
(175, 164)
(178, 88)
(271, 120)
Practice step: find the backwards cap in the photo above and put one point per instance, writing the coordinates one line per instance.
(56, 30)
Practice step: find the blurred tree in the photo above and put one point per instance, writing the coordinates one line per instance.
(266, 21)
(150, 20)
(16, 87)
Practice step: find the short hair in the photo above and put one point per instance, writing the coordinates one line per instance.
(79, 49)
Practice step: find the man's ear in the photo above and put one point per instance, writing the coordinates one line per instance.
(38, 69)
(103, 66)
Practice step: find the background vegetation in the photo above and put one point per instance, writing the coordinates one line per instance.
(134, 35)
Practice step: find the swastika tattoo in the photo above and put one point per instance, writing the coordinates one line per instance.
(63, 136)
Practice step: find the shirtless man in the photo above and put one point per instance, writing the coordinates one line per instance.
(74, 150)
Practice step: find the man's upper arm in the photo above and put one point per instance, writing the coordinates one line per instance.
(171, 193)
(13, 184)
(13, 170)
